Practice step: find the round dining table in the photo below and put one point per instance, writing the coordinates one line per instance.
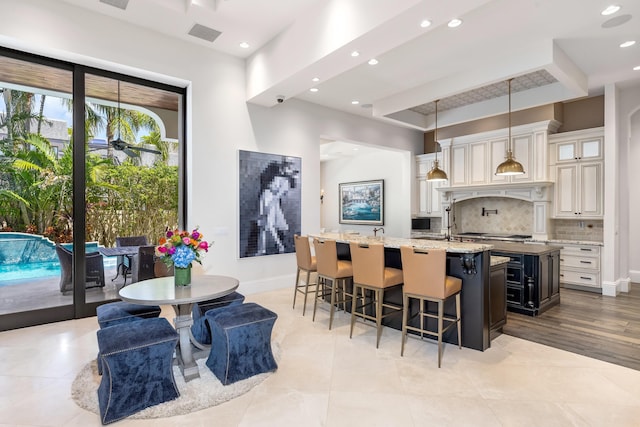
(162, 290)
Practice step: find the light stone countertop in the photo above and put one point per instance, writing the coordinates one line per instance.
(396, 242)
(497, 260)
(575, 242)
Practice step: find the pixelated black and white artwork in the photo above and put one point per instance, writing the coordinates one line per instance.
(270, 203)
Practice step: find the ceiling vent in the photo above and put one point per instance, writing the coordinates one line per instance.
(204, 33)
(120, 4)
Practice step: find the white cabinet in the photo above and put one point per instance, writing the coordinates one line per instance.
(579, 179)
(580, 265)
(428, 198)
(522, 147)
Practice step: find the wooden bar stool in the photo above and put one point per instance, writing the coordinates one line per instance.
(369, 273)
(425, 279)
(307, 264)
(331, 269)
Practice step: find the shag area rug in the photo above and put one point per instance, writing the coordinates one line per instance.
(195, 395)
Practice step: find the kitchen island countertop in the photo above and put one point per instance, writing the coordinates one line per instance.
(396, 242)
(523, 248)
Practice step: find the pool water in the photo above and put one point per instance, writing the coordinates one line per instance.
(34, 270)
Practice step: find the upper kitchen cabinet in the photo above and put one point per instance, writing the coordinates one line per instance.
(474, 158)
(577, 167)
(428, 197)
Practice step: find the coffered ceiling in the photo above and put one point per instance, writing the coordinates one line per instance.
(554, 50)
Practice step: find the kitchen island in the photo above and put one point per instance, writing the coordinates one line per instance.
(533, 275)
(467, 261)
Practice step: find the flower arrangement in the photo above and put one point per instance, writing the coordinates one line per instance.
(181, 248)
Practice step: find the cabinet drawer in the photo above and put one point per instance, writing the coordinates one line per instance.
(580, 278)
(513, 258)
(589, 263)
(514, 275)
(581, 250)
(514, 295)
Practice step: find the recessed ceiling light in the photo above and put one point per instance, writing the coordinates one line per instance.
(244, 45)
(315, 79)
(425, 23)
(628, 43)
(313, 89)
(455, 22)
(355, 53)
(636, 68)
(610, 10)
(373, 61)
(354, 102)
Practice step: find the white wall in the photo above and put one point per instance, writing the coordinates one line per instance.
(392, 166)
(629, 140)
(219, 121)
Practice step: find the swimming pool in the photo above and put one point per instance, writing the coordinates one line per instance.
(29, 256)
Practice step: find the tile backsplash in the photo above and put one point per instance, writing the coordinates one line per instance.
(513, 216)
(568, 229)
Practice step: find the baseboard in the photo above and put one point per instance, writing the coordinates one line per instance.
(625, 284)
(610, 289)
(634, 276)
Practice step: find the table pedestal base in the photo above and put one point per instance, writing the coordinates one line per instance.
(184, 350)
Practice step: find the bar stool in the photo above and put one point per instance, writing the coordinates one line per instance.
(425, 279)
(330, 268)
(369, 273)
(306, 263)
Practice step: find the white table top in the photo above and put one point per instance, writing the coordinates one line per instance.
(162, 290)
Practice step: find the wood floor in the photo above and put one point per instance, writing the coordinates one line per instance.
(604, 328)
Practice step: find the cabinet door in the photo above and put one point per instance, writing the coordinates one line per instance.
(591, 201)
(478, 161)
(498, 155)
(523, 153)
(458, 165)
(590, 149)
(435, 206)
(544, 292)
(565, 193)
(498, 296)
(423, 196)
(566, 151)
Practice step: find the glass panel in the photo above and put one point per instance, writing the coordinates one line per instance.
(35, 185)
(591, 148)
(132, 174)
(566, 152)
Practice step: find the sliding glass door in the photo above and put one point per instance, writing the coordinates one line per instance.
(86, 156)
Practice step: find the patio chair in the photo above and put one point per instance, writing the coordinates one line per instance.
(94, 269)
(124, 262)
(147, 265)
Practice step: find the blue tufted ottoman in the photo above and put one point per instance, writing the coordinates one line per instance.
(137, 360)
(120, 312)
(200, 329)
(242, 342)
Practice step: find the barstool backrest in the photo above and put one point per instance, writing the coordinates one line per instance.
(326, 257)
(368, 263)
(303, 252)
(425, 271)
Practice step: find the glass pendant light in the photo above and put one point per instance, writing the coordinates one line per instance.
(436, 174)
(510, 166)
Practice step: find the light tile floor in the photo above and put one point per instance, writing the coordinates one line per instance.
(326, 379)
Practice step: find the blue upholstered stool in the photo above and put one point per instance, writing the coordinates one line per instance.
(200, 329)
(137, 359)
(114, 313)
(118, 312)
(241, 337)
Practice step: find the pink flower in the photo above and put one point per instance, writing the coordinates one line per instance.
(186, 240)
(162, 249)
(204, 245)
(195, 235)
(172, 250)
(169, 233)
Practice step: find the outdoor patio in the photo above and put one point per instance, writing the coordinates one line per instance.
(35, 294)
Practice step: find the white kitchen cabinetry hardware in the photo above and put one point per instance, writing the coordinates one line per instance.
(428, 198)
(578, 166)
(580, 266)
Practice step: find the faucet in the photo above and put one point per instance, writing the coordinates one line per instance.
(375, 231)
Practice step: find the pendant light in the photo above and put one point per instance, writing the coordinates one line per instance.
(436, 174)
(510, 166)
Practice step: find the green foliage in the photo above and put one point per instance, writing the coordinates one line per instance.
(141, 201)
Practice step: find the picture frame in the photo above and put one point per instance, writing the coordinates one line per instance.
(362, 202)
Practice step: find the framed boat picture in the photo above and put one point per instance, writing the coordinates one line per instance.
(362, 202)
